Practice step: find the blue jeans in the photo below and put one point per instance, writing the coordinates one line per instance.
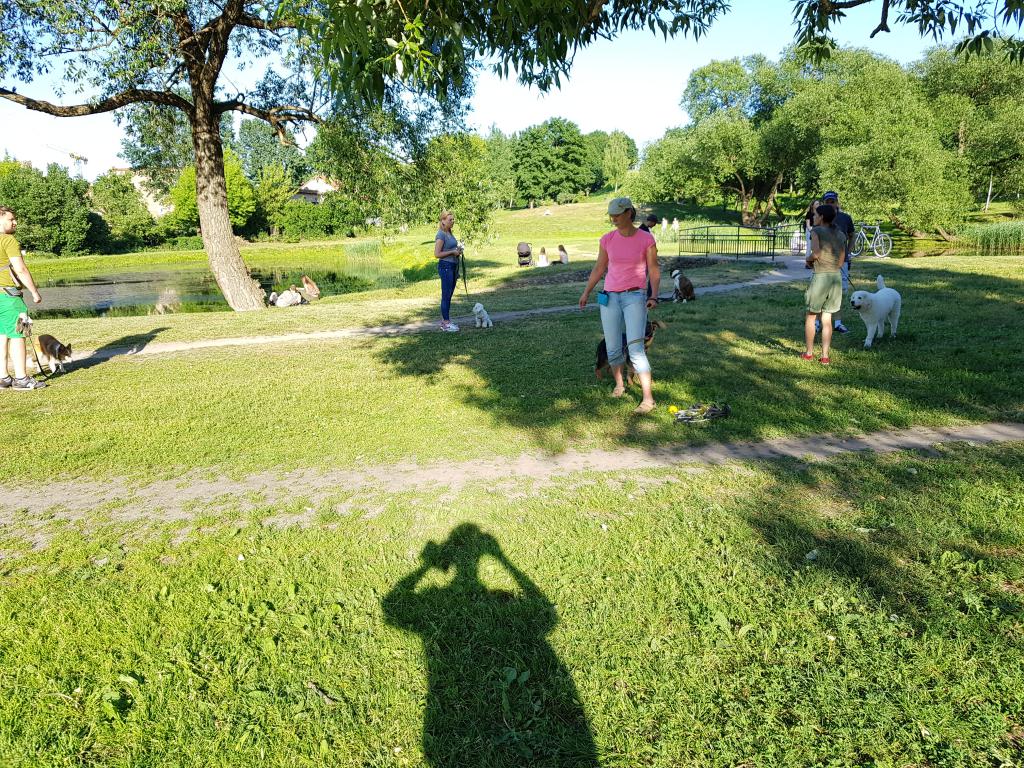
(449, 272)
(626, 317)
(844, 270)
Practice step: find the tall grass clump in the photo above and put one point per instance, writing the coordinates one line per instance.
(997, 238)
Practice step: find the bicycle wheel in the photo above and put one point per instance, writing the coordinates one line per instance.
(860, 242)
(882, 244)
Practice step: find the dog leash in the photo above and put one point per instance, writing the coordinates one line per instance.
(26, 329)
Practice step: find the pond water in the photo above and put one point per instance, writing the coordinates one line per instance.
(142, 292)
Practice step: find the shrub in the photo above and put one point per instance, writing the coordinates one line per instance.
(181, 243)
(336, 215)
(301, 219)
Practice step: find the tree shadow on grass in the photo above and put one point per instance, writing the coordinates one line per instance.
(743, 348)
(912, 541)
(498, 693)
(126, 345)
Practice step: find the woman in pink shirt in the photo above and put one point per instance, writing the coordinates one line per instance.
(629, 256)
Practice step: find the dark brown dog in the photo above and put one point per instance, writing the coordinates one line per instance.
(601, 366)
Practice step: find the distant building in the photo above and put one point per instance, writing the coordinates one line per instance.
(313, 191)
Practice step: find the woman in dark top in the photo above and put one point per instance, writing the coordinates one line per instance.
(447, 251)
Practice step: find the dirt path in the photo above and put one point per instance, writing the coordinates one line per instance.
(790, 271)
(367, 489)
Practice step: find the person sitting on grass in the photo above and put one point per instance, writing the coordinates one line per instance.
(14, 280)
(824, 295)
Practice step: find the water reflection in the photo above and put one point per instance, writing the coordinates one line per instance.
(142, 292)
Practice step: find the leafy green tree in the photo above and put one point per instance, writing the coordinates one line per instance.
(259, 146)
(335, 215)
(158, 142)
(743, 100)
(362, 151)
(130, 223)
(500, 166)
(454, 173)
(619, 156)
(978, 105)
(882, 147)
(302, 219)
(240, 194)
(595, 142)
(718, 86)
(551, 162)
(855, 122)
(661, 175)
(272, 190)
(52, 208)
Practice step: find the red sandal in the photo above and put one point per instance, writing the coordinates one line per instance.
(805, 356)
(825, 361)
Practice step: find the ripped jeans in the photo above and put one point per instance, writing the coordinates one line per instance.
(626, 314)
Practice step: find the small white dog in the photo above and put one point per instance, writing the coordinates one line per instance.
(875, 308)
(483, 320)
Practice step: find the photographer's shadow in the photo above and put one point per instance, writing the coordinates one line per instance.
(498, 694)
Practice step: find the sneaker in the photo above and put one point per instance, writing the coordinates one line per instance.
(6, 382)
(842, 328)
(449, 326)
(27, 383)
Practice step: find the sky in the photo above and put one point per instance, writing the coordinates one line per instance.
(632, 84)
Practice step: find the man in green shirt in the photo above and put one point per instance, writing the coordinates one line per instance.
(14, 280)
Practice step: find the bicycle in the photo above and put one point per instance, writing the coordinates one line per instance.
(873, 237)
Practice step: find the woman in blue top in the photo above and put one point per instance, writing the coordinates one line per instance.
(447, 252)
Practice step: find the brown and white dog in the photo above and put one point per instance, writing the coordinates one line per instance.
(43, 351)
(52, 353)
(601, 366)
(682, 288)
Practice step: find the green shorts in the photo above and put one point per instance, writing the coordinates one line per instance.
(825, 293)
(10, 308)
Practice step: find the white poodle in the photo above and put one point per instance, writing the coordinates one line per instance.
(483, 320)
(875, 308)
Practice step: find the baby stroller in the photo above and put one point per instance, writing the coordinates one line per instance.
(525, 254)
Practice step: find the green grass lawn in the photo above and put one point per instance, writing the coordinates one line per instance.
(665, 617)
(522, 386)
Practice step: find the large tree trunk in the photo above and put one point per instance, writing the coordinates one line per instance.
(747, 217)
(240, 290)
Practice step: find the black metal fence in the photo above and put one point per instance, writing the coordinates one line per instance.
(734, 240)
